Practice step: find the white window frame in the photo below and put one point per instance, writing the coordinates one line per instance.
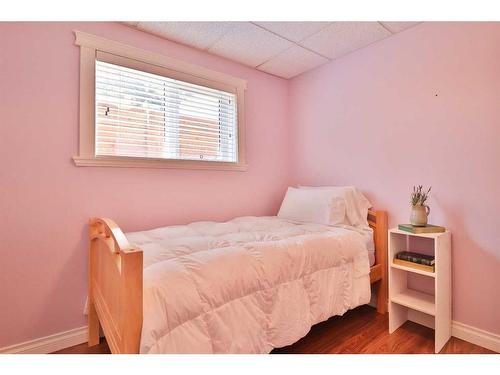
(92, 46)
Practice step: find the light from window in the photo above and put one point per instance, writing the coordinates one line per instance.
(144, 115)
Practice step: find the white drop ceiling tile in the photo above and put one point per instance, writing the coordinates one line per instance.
(396, 27)
(258, 44)
(295, 31)
(341, 38)
(200, 35)
(249, 44)
(292, 62)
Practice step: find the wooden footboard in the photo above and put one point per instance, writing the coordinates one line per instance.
(378, 272)
(115, 288)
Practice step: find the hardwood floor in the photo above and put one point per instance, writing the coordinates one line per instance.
(361, 330)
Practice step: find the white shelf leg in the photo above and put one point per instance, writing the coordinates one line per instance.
(443, 291)
(397, 282)
(397, 316)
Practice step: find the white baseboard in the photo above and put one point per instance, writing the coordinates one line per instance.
(476, 336)
(49, 344)
(461, 331)
(63, 340)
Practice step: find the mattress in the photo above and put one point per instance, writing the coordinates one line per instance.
(247, 285)
(367, 234)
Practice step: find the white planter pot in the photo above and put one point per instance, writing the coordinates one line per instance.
(419, 215)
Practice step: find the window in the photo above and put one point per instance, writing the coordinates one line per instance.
(139, 109)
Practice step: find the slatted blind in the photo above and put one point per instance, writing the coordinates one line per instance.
(139, 114)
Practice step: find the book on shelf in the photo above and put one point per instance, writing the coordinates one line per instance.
(409, 256)
(426, 229)
(417, 266)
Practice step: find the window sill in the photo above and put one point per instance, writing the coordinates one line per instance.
(126, 162)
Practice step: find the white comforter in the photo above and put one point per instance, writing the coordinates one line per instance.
(248, 285)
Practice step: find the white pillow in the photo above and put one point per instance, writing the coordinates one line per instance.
(312, 206)
(356, 204)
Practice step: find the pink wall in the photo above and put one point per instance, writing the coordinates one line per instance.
(45, 201)
(422, 107)
(370, 119)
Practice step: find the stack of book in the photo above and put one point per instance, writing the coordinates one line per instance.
(415, 260)
(425, 229)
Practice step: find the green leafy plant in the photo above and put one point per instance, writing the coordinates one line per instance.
(419, 196)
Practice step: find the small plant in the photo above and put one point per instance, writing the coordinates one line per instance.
(419, 197)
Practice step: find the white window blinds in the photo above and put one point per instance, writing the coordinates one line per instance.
(144, 115)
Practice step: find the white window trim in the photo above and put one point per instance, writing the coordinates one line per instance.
(90, 45)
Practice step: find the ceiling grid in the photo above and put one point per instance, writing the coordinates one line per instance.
(284, 49)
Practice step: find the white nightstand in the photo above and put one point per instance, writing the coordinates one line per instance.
(405, 303)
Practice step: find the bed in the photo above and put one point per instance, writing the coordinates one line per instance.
(244, 286)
